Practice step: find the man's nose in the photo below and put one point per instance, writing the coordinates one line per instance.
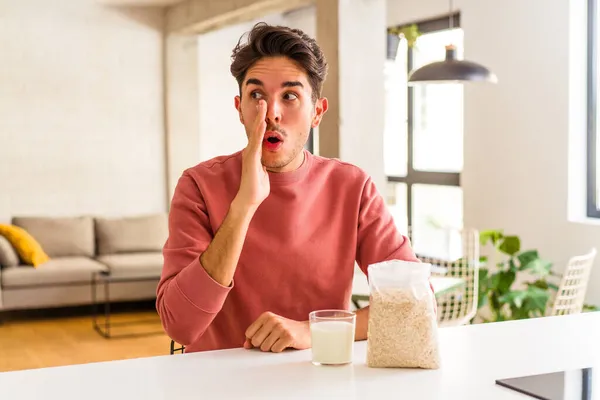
(273, 111)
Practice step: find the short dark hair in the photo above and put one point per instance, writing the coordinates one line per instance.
(271, 41)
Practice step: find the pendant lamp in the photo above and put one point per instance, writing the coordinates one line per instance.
(451, 70)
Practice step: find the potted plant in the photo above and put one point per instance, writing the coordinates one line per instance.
(409, 32)
(496, 285)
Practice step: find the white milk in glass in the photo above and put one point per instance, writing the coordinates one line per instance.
(332, 342)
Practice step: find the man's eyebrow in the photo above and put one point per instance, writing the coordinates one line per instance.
(254, 81)
(292, 84)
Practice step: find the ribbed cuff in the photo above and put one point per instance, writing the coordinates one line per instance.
(201, 289)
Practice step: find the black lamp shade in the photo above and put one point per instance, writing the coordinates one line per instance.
(451, 70)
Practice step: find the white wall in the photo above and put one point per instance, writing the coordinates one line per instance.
(303, 18)
(519, 133)
(362, 96)
(220, 129)
(81, 109)
(182, 106)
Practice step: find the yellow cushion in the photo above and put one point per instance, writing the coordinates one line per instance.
(28, 249)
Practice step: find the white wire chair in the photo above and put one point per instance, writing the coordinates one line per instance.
(573, 285)
(459, 306)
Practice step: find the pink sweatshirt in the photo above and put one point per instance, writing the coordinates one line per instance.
(298, 256)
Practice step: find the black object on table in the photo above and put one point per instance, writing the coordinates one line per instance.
(560, 385)
(104, 328)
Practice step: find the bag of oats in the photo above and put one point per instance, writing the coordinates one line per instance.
(402, 330)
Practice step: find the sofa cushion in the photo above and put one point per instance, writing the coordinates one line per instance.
(61, 236)
(134, 264)
(30, 251)
(8, 255)
(146, 233)
(64, 270)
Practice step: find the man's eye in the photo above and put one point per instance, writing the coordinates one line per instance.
(256, 95)
(290, 96)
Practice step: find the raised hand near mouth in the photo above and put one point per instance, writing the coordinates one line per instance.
(222, 255)
(254, 186)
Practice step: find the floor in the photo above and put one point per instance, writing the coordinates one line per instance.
(37, 342)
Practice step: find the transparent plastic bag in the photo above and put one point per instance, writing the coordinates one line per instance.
(402, 330)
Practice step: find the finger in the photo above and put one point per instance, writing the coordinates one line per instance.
(270, 340)
(247, 344)
(260, 127)
(255, 326)
(260, 336)
(281, 344)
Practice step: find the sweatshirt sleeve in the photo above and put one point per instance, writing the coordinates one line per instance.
(188, 298)
(378, 237)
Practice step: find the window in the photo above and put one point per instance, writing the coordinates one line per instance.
(593, 167)
(423, 143)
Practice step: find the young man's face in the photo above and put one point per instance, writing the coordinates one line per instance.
(284, 86)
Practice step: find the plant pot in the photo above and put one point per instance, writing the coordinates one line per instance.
(393, 41)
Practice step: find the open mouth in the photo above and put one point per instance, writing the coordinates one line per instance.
(272, 141)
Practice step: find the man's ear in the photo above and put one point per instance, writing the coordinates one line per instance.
(320, 110)
(238, 107)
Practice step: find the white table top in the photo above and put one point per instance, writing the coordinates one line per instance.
(473, 357)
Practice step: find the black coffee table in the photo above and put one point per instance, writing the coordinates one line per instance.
(104, 328)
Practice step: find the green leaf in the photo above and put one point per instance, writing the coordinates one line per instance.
(483, 281)
(510, 245)
(523, 313)
(538, 267)
(494, 280)
(540, 283)
(512, 265)
(520, 313)
(514, 310)
(590, 308)
(526, 303)
(502, 281)
(490, 235)
(515, 298)
(494, 302)
(528, 256)
(481, 300)
(411, 33)
(483, 261)
(483, 287)
(483, 274)
(537, 298)
(498, 316)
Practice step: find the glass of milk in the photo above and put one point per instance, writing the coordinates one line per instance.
(332, 336)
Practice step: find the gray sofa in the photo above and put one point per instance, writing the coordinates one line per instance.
(78, 247)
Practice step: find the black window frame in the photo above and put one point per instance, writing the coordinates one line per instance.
(415, 176)
(592, 128)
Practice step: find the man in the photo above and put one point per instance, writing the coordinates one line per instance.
(260, 238)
